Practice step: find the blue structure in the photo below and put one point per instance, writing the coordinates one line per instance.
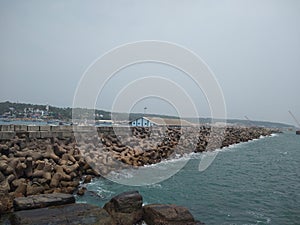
(142, 122)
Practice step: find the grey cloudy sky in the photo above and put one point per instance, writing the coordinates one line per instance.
(252, 46)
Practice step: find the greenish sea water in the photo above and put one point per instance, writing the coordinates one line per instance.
(257, 182)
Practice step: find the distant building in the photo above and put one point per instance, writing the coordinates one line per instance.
(104, 123)
(157, 121)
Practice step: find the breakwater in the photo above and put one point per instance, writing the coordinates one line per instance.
(35, 160)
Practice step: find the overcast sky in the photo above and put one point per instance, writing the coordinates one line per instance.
(252, 46)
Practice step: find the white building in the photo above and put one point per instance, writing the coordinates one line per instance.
(157, 121)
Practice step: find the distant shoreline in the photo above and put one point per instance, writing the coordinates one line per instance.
(65, 115)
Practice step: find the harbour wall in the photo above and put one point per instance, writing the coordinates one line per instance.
(8, 132)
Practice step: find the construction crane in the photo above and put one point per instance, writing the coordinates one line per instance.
(298, 131)
(249, 120)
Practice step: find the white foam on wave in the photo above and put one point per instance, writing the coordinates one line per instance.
(96, 187)
(178, 158)
(102, 191)
(162, 168)
(122, 174)
(155, 186)
(84, 202)
(260, 217)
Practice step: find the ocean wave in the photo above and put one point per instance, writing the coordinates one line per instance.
(122, 174)
(79, 201)
(156, 186)
(163, 168)
(260, 217)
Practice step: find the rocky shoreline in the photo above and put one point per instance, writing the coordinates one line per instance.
(124, 209)
(31, 166)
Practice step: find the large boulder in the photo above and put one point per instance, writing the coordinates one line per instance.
(6, 203)
(43, 200)
(126, 208)
(159, 214)
(83, 214)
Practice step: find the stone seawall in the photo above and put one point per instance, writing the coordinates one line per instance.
(8, 132)
(48, 159)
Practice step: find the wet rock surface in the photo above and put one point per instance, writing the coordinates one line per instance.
(123, 209)
(43, 200)
(141, 146)
(160, 214)
(39, 166)
(32, 166)
(83, 214)
(126, 208)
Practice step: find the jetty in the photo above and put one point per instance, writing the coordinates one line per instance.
(50, 159)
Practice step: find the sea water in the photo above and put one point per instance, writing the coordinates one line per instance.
(257, 182)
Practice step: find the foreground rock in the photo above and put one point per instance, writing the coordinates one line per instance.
(123, 209)
(43, 200)
(83, 214)
(126, 208)
(159, 214)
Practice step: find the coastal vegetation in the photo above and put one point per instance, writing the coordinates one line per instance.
(10, 110)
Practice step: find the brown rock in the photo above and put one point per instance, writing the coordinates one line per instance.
(36, 155)
(34, 189)
(87, 179)
(71, 158)
(4, 186)
(40, 165)
(3, 165)
(47, 175)
(38, 173)
(83, 214)
(6, 203)
(155, 214)
(50, 154)
(69, 183)
(55, 180)
(10, 178)
(21, 189)
(9, 170)
(2, 177)
(20, 168)
(64, 176)
(68, 190)
(16, 183)
(69, 169)
(58, 150)
(43, 200)
(28, 170)
(126, 208)
(81, 191)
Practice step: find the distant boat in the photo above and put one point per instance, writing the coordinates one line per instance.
(298, 132)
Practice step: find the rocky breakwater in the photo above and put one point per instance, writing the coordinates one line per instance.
(30, 166)
(143, 145)
(39, 166)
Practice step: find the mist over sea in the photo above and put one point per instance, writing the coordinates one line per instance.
(257, 182)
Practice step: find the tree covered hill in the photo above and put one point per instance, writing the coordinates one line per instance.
(9, 108)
